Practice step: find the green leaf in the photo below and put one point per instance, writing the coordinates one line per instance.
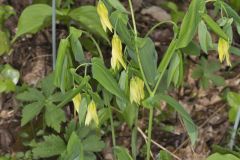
(117, 5)
(30, 111)
(188, 122)
(214, 26)
(93, 144)
(4, 41)
(51, 146)
(122, 153)
(166, 60)
(54, 116)
(120, 20)
(74, 148)
(192, 49)
(47, 85)
(163, 155)
(233, 99)
(63, 77)
(148, 58)
(6, 85)
(231, 12)
(190, 23)
(217, 156)
(83, 110)
(5, 12)
(11, 73)
(174, 65)
(76, 45)
(124, 85)
(32, 94)
(129, 114)
(204, 36)
(33, 19)
(105, 78)
(87, 16)
(234, 102)
(217, 80)
(197, 72)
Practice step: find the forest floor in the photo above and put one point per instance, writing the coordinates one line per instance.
(32, 57)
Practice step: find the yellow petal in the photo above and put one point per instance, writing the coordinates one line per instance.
(223, 51)
(103, 14)
(117, 55)
(91, 114)
(76, 102)
(136, 90)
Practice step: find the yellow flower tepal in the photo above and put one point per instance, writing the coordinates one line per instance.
(223, 51)
(136, 90)
(91, 114)
(103, 14)
(117, 55)
(76, 102)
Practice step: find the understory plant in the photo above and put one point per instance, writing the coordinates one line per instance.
(114, 89)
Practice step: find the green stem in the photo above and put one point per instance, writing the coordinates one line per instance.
(95, 43)
(112, 129)
(133, 18)
(134, 133)
(159, 24)
(134, 136)
(150, 123)
(136, 48)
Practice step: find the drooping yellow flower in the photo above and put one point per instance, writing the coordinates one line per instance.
(223, 51)
(103, 14)
(76, 102)
(136, 90)
(117, 55)
(91, 114)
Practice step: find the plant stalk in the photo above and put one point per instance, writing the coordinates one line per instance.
(149, 138)
(113, 130)
(136, 48)
(134, 136)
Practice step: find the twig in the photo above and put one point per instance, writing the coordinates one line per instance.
(158, 145)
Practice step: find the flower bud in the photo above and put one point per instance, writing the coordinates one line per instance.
(223, 51)
(103, 14)
(91, 114)
(117, 55)
(136, 90)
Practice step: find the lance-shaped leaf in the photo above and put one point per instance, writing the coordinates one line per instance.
(105, 78)
(188, 122)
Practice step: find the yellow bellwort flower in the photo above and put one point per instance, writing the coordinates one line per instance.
(91, 114)
(223, 51)
(77, 101)
(117, 55)
(136, 90)
(103, 14)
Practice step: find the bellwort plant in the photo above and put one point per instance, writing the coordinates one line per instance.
(116, 83)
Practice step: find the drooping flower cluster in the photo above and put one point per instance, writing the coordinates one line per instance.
(77, 101)
(91, 114)
(117, 56)
(91, 111)
(136, 90)
(223, 51)
(103, 14)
